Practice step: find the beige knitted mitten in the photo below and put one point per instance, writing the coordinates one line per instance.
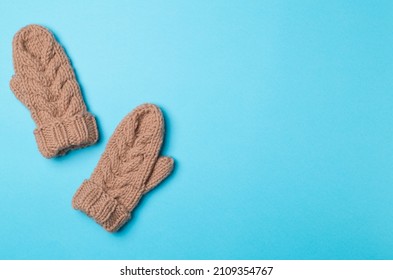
(128, 168)
(45, 83)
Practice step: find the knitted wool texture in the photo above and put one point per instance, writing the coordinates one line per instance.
(128, 168)
(45, 83)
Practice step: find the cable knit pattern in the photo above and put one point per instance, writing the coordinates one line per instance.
(45, 83)
(129, 167)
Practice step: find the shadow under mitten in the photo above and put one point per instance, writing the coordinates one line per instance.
(129, 167)
(45, 83)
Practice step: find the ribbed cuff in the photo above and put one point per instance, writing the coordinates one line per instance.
(96, 203)
(58, 138)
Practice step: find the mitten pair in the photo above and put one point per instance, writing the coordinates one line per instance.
(130, 166)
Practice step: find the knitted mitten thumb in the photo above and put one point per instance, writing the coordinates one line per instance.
(128, 168)
(45, 83)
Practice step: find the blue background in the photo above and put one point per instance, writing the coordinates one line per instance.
(278, 113)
